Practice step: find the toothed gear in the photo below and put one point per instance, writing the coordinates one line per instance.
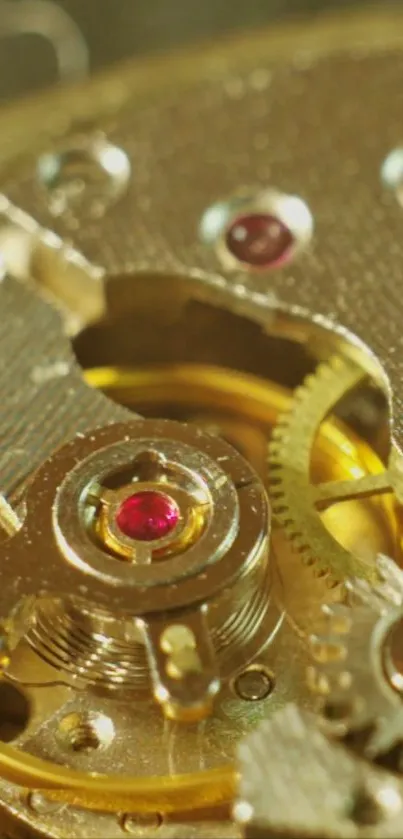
(296, 501)
(349, 661)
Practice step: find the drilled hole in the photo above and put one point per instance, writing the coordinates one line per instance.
(15, 711)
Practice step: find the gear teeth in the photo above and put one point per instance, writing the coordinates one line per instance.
(318, 682)
(328, 675)
(289, 460)
(343, 672)
(320, 573)
(332, 583)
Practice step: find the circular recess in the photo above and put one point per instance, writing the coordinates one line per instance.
(85, 177)
(254, 684)
(194, 469)
(258, 230)
(150, 509)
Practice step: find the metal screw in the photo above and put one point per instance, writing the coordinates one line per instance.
(254, 684)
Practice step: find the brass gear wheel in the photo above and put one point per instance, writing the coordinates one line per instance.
(357, 666)
(297, 502)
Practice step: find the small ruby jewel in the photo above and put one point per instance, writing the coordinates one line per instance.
(259, 239)
(148, 515)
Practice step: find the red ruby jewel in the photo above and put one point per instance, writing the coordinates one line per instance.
(148, 515)
(259, 239)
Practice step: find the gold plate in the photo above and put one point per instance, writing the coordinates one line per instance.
(116, 265)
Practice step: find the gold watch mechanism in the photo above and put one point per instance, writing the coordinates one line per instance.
(201, 444)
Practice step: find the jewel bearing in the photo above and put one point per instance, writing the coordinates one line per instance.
(183, 586)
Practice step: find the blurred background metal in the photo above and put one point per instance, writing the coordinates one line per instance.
(43, 40)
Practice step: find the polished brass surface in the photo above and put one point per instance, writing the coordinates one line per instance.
(297, 499)
(163, 230)
(256, 407)
(110, 272)
(243, 409)
(335, 453)
(167, 231)
(212, 598)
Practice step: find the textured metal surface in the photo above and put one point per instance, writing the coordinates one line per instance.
(44, 398)
(293, 125)
(335, 794)
(139, 728)
(194, 133)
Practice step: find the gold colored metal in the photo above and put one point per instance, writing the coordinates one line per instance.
(296, 499)
(194, 513)
(9, 520)
(287, 295)
(335, 453)
(218, 586)
(247, 411)
(132, 284)
(301, 300)
(241, 408)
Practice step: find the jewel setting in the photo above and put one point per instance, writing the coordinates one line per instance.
(260, 240)
(147, 515)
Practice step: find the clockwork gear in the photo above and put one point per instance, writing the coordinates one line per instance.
(301, 506)
(152, 618)
(358, 666)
